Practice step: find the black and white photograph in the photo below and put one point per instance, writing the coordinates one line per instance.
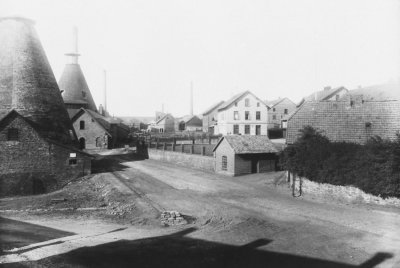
(200, 133)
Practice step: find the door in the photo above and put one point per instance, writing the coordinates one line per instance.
(82, 143)
(258, 130)
(254, 166)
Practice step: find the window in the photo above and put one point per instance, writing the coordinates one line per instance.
(285, 111)
(273, 109)
(247, 102)
(258, 115)
(12, 134)
(235, 103)
(72, 161)
(224, 162)
(235, 129)
(337, 97)
(274, 117)
(246, 115)
(82, 124)
(246, 129)
(258, 104)
(235, 115)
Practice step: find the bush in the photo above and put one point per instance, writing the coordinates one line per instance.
(373, 167)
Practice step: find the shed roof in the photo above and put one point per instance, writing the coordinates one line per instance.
(213, 107)
(248, 144)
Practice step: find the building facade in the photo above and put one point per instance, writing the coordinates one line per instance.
(165, 124)
(38, 145)
(243, 114)
(210, 117)
(278, 110)
(238, 155)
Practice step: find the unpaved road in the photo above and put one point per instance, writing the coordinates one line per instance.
(239, 222)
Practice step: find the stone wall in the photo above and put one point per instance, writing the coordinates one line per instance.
(347, 194)
(33, 165)
(187, 160)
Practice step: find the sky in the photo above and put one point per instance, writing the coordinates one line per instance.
(152, 50)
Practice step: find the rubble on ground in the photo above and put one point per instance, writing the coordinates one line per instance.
(172, 218)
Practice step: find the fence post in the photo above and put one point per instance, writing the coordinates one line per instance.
(174, 140)
(157, 144)
(203, 150)
(164, 146)
(193, 140)
(173, 147)
(182, 147)
(192, 149)
(209, 140)
(288, 177)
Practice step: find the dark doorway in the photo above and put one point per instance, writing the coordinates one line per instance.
(258, 130)
(82, 143)
(254, 166)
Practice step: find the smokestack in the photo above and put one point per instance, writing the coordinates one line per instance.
(191, 98)
(73, 55)
(105, 89)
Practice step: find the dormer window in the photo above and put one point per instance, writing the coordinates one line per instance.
(12, 134)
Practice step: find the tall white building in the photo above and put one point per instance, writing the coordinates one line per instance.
(243, 114)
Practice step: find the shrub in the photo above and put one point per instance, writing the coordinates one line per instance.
(373, 167)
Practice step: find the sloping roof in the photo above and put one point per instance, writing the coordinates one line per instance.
(213, 107)
(101, 120)
(163, 117)
(27, 82)
(13, 114)
(75, 88)
(341, 121)
(236, 98)
(324, 94)
(273, 103)
(382, 92)
(248, 144)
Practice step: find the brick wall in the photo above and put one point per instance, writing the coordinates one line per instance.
(341, 121)
(187, 160)
(34, 165)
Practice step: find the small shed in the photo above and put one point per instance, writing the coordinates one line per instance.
(244, 154)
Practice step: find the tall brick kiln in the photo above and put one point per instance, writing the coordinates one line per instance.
(38, 145)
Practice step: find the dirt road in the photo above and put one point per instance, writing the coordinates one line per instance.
(247, 216)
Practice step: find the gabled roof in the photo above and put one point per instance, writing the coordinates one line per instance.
(324, 94)
(14, 114)
(248, 144)
(101, 120)
(164, 117)
(273, 103)
(236, 98)
(213, 107)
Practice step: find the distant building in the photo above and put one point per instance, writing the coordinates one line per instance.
(166, 124)
(327, 94)
(38, 145)
(278, 109)
(210, 117)
(189, 123)
(100, 130)
(355, 117)
(244, 154)
(243, 114)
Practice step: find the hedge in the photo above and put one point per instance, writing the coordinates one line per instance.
(373, 167)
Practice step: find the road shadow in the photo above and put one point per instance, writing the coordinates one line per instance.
(110, 163)
(178, 250)
(16, 234)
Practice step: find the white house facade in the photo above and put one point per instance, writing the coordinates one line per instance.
(243, 114)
